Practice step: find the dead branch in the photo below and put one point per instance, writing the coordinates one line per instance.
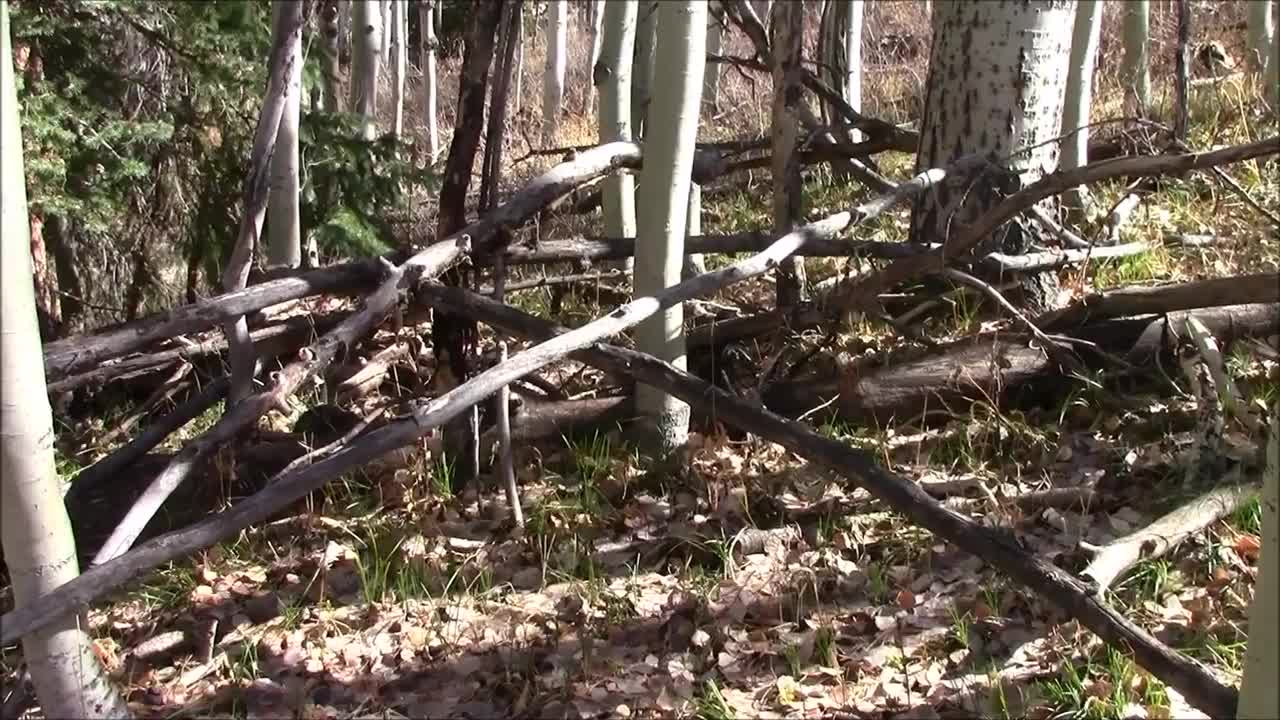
(82, 352)
(1115, 558)
(428, 263)
(1058, 352)
(1215, 292)
(1049, 260)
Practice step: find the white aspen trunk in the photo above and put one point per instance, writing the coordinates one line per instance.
(612, 76)
(597, 19)
(330, 34)
(400, 54)
(787, 32)
(664, 203)
(642, 66)
(430, 86)
(553, 76)
(35, 531)
(997, 78)
(1261, 33)
(853, 59)
(715, 37)
(1271, 75)
(366, 41)
(1259, 699)
(1135, 70)
(694, 264)
(384, 12)
(519, 88)
(284, 227)
(1079, 100)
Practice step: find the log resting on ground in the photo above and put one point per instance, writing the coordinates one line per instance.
(1186, 675)
(987, 367)
(1214, 292)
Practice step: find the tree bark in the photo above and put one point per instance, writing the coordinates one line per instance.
(430, 84)
(286, 40)
(284, 245)
(366, 53)
(39, 549)
(553, 74)
(788, 40)
(642, 66)
(996, 85)
(1182, 72)
(1135, 68)
(453, 337)
(331, 27)
(400, 62)
(1261, 34)
(612, 76)
(1079, 100)
(711, 78)
(1258, 696)
(663, 205)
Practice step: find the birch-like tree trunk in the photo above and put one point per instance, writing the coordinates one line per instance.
(787, 31)
(1135, 70)
(664, 203)
(430, 86)
(841, 49)
(997, 77)
(1259, 698)
(330, 32)
(284, 240)
(400, 62)
(384, 13)
(1271, 74)
(553, 76)
(597, 20)
(642, 66)
(519, 88)
(1261, 33)
(612, 77)
(366, 48)
(1079, 100)
(694, 264)
(715, 37)
(39, 549)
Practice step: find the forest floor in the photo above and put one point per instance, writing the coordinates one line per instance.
(738, 581)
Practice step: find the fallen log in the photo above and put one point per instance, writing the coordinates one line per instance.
(1186, 675)
(75, 354)
(271, 341)
(1215, 292)
(1116, 557)
(988, 367)
(541, 420)
(426, 264)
